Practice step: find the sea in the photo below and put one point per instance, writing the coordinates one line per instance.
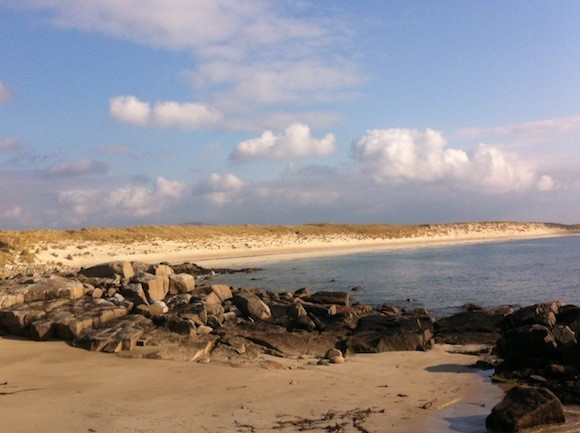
(441, 279)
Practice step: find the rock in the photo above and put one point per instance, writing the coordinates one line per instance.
(155, 287)
(222, 291)
(337, 298)
(569, 315)
(204, 330)
(357, 289)
(160, 270)
(295, 311)
(388, 310)
(384, 334)
(181, 283)
(334, 356)
(525, 407)
(530, 345)
(135, 293)
(109, 270)
(161, 306)
(197, 312)
(252, 306)
(212, 298)
(44, 289)
(181, 326)
(97, 293)
(475, 326)
(538, 314)
(303, 292)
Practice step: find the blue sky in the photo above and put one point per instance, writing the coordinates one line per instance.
(287, 112)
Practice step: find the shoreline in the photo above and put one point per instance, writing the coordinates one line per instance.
(228, 251)
(65, 389)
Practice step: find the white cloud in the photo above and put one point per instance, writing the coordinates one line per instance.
(179, 24)
(77, 168)
(185, 115)
(295, 141)
(546, 183)
(280, 81)
(132, 201)
(220, 189)
(248, 53)
(5, 93)
(129, 109)
(550, 126)
(406, 155)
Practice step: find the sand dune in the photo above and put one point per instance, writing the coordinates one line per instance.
(245, 246)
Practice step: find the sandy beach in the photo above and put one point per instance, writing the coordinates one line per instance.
(52, 387)
(246, 250)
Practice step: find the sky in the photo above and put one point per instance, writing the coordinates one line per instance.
(139, 112)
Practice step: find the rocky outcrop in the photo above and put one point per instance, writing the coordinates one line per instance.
(539, 344)
(162, 311)
(383, 334)
(473, 326)
(524, 407)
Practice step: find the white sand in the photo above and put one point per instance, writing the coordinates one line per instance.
(227, 251)
(52, 387)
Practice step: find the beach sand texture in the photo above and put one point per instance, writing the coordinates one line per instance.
(52, 387)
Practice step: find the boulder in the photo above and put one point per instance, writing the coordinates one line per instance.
(134, 292)
(538, 314)
(569, 315)
(160, 270)
(384, 334)
(531, 345)
(474, 326)
(155, 287)
(181, 283)
(525, 407)
(222, 291)
(44, 289)
(337, 298)
(109, 270)
(252, 306)
(181, 326)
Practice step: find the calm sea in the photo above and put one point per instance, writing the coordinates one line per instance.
(440, 279)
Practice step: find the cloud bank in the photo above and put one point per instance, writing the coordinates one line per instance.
(407, 155)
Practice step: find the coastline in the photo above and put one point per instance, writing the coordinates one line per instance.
(59, 388)
(228, 251)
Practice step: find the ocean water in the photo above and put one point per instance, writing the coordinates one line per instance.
(440, 279)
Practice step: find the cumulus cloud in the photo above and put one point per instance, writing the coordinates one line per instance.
(133, 201)
(220, 189)
(187, 115)
(295, 141)
(407, 155)
(77, 168)
(5, 93)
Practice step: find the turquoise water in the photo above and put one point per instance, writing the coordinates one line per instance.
(440, 279)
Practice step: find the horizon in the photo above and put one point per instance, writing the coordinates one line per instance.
(267, 112)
